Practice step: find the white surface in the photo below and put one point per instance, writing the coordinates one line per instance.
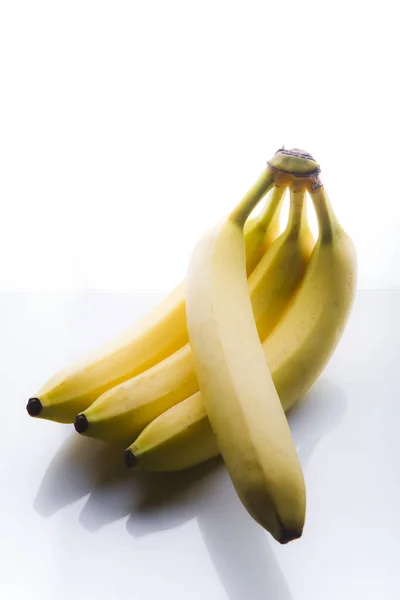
(76, 524)
(128, 127)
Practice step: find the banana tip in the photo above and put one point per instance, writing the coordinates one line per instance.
(289, 536)
(130, 459)
(34, 407)
(81, 423)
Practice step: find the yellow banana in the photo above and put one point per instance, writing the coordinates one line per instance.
(156, 336)
(179, 438)
(121, 413)
(276, 278)
(238, 391)
(261, 231)
(297, 350)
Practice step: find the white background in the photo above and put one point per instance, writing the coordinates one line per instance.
(128, 127)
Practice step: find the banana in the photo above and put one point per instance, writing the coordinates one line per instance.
(238, 391)
(121, 413)
(156, 336)
(276, 278)
(160, 333)
(179, 438)
(297, 350)
(261, 231)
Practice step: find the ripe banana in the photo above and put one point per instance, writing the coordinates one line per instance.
(277, 276)
(297, 350)
(156, 336)
(261, 231)
(160, 333)
(178, 439)
(121, 413)
(238, 391)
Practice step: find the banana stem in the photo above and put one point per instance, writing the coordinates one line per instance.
(327, 221)
(270, 212)
(262, 186)
(297, 212)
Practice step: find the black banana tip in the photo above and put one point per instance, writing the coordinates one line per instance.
(130, 459)
(81, 423)
(289, 536)
(34, 407)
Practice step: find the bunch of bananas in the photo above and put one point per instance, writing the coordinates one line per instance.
(215, 366)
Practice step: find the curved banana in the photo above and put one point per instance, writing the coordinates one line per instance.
(240, 398)
(121, 413)
(261, 231)
(297, 350)
(156, 336)
(276, 278)
(238, 391)
(178, 439)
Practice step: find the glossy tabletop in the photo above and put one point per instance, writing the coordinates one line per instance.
(74, 523)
